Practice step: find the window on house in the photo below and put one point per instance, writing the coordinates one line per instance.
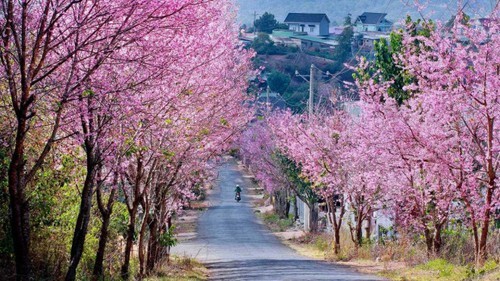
(311, 28)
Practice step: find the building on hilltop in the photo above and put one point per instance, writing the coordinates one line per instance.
(309, 32)
(304, 41)
(372, 22)
(312, 24)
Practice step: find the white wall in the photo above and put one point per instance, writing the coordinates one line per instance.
(305, 27)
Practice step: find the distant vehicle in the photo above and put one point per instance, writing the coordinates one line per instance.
(237, 190)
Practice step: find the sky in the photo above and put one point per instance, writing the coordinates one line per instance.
(337, 10)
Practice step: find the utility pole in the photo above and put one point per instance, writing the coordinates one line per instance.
(254, 19)
(311, 90)
(267, 94)
(312, 84)
(267, 97)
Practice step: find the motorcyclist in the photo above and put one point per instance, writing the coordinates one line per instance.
(237, 190)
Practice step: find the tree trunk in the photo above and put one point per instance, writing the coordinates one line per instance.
(83, 216)
(313, 218)
(280, 203)
(336, 237)
(368, 228)
(335, 222)
(142, 234)
(152, 245)
(491, 172)
(103, 239)
(359, 233)
(287, 208)
(19, 207)
(437, 240)
(482, 253)
(129, 242)
(132, 207)
(99, 258)
(295, 208)
(357, 236)
(169, 224)
(428, 242)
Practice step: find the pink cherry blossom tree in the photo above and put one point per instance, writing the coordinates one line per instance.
(259, 151)
(92, 70)
(48, 52)
(440, 147)
(457, 76)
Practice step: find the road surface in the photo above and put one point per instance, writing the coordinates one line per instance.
(234, 246)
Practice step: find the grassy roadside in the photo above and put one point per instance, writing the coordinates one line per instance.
(395, 263)
(181, 269)
(315, 246)
(403, 262)
(440, 269)
(274, 223)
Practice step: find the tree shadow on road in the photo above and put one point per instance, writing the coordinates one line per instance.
(293, 269)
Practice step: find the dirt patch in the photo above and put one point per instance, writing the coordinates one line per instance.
(290, 234)
(263, 209)
(186, 222)
(373, 267)
(313, 249)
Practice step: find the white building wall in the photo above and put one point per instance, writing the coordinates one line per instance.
(324, 28)
(366, 27)
(379, 220)
(310, 28)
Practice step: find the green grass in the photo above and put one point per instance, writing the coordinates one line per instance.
(275, 223)
(440, 269)
(443, 269)
(181, 269)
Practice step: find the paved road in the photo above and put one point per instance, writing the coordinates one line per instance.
(234, 246)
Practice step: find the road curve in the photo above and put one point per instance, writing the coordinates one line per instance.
(234, 246)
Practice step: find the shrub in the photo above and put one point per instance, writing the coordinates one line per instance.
(278, 81)
(458, 247)
(275, 223)
(444, 268)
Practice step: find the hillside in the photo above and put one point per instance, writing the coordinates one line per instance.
(338, 9)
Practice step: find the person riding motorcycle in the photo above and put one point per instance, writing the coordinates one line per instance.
(237, 190)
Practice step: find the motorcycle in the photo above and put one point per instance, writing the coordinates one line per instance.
(237, 197)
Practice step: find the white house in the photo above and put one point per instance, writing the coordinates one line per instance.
(312, 24)
(373, 22)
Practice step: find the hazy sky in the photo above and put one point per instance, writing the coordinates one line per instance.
(338, 9)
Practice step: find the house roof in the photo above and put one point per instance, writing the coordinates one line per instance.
(303, 17)
(371, 18)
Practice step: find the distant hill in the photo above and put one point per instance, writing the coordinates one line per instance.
(338, 9)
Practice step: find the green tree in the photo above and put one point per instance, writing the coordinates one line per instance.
(263, 45)
(266, 23)
(390, 69)
(301, 187)
(278, 82)
(296, 97)
(343, 51)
